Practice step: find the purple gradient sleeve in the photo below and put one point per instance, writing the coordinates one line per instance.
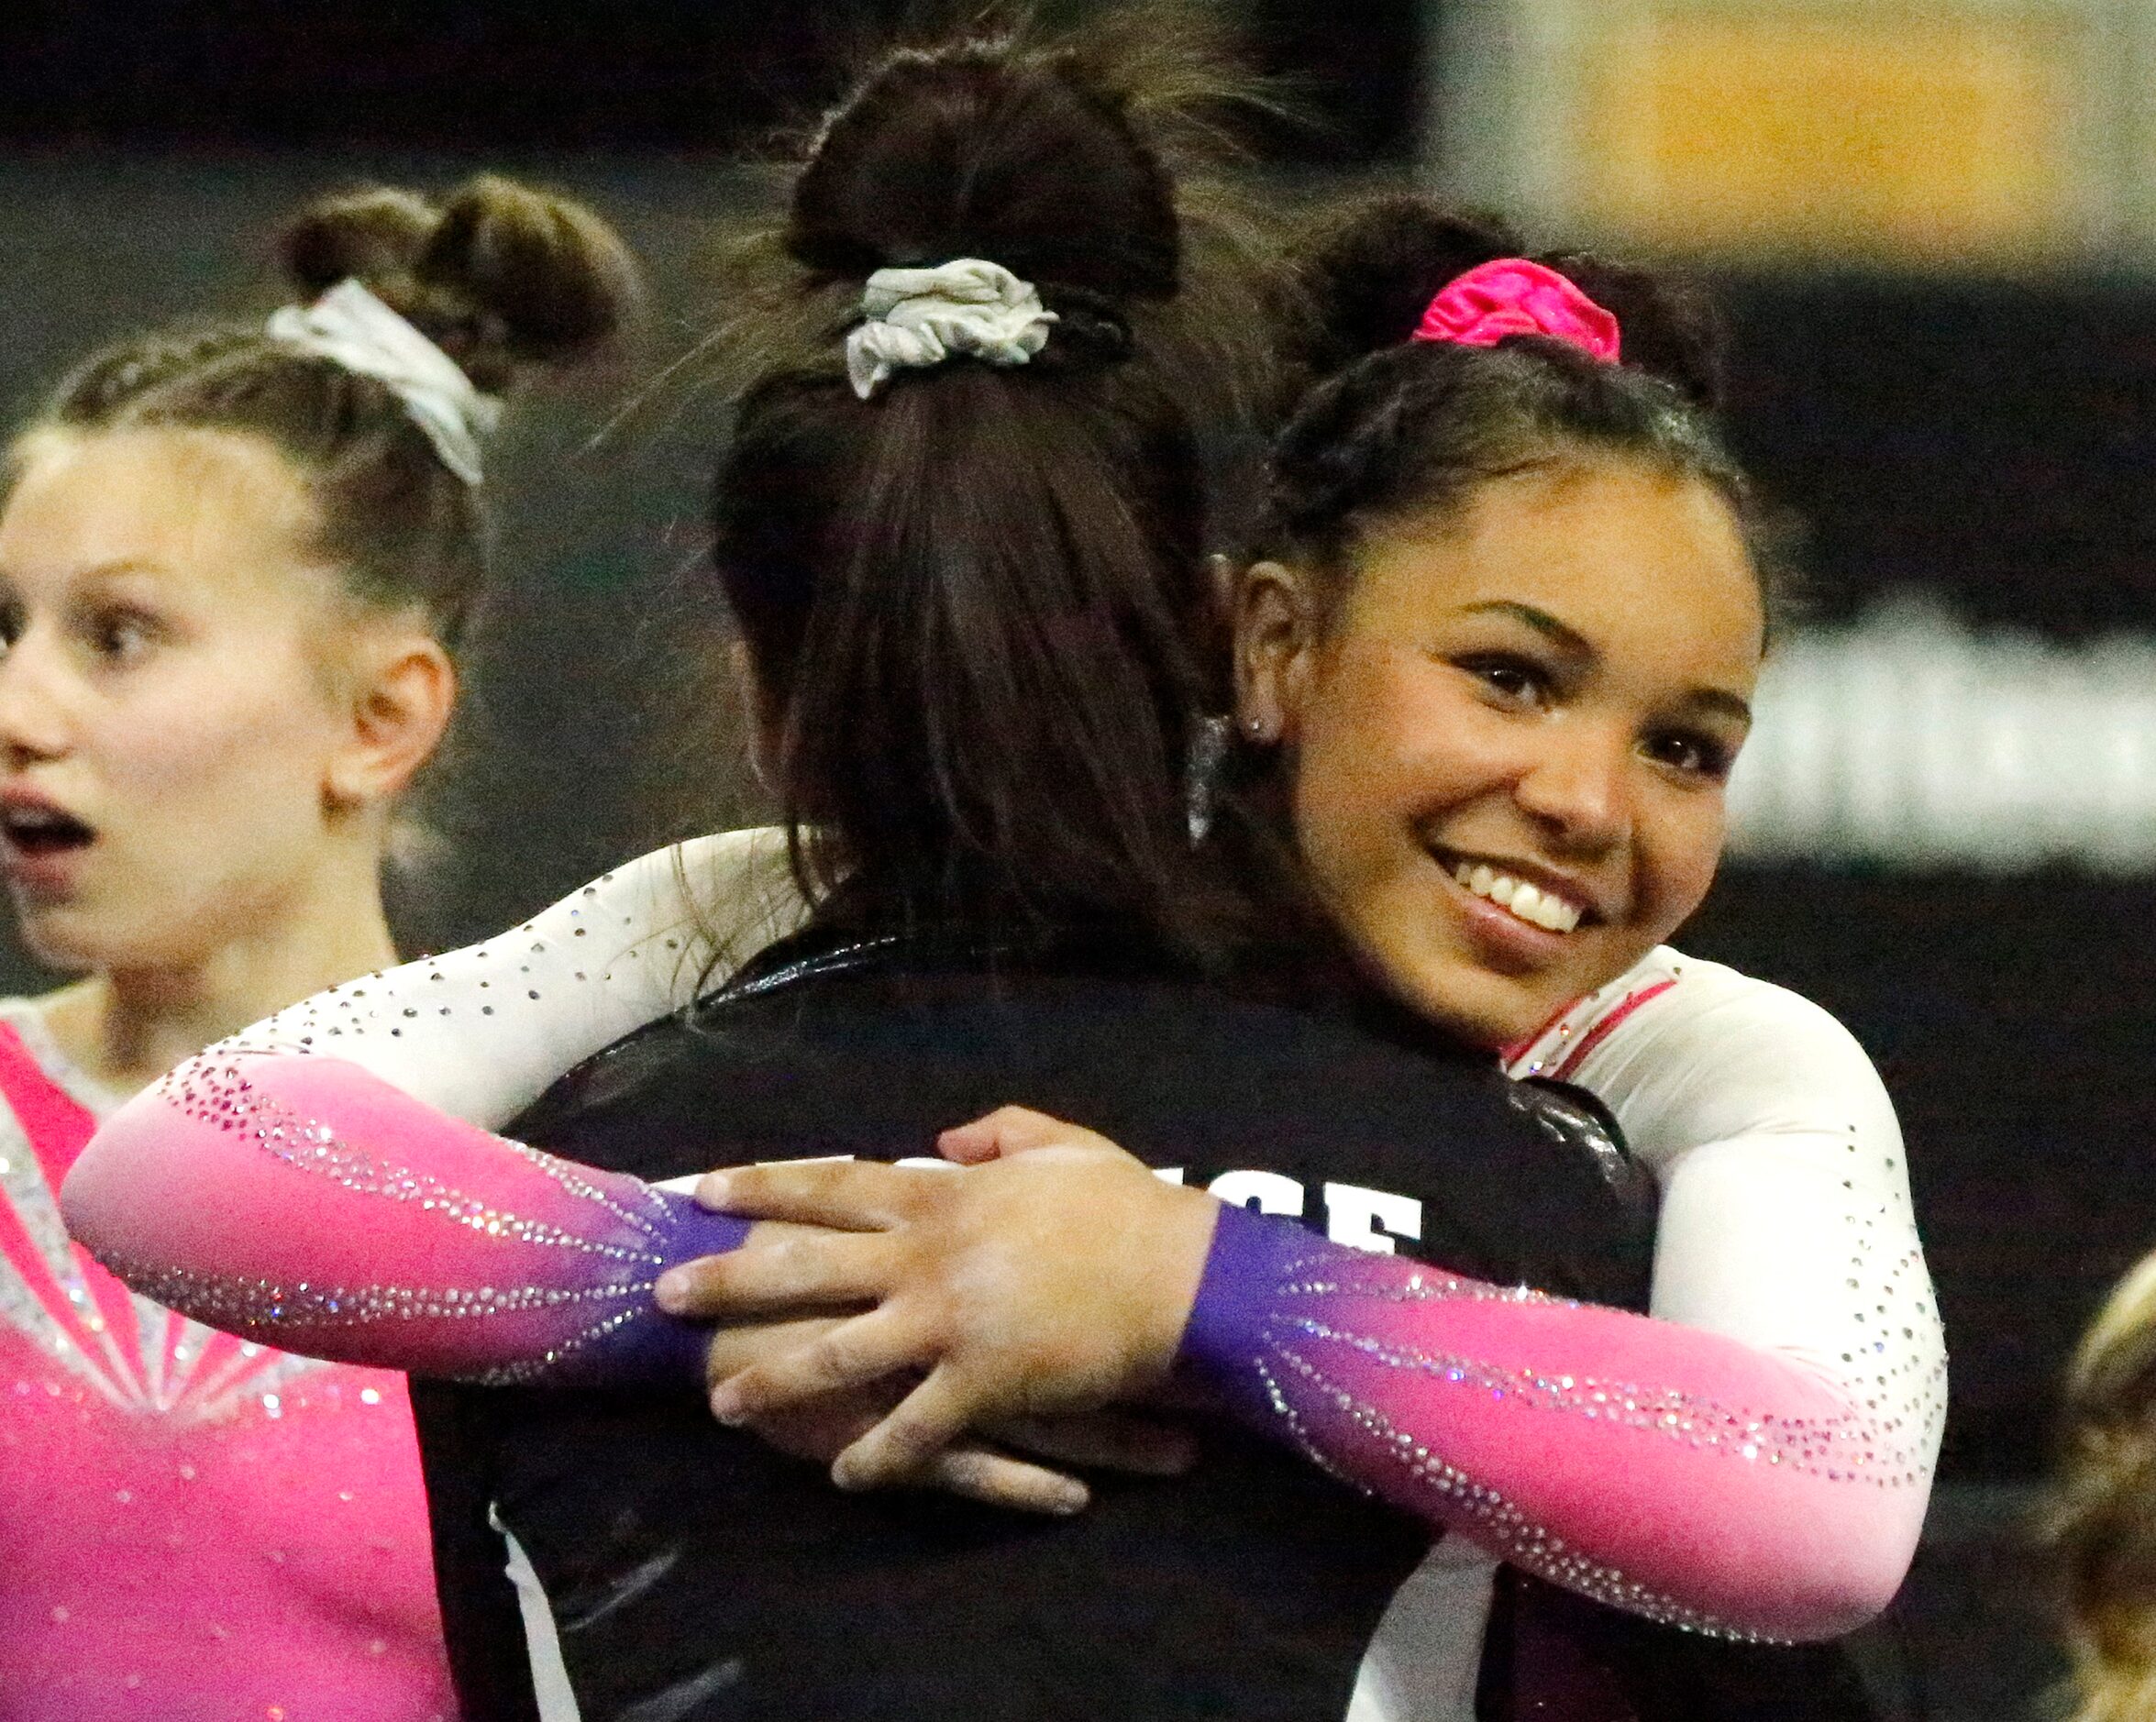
(1666, 1470)
(304, 1203)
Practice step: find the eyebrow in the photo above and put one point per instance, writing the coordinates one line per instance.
(1573, 643)
(1722, 700)
(119, 568)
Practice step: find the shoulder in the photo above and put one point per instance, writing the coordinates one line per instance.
(1673, 1001)
(1687, 1052)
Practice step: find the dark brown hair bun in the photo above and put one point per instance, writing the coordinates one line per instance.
(1370, 271)
(502, 277)
(969, 154)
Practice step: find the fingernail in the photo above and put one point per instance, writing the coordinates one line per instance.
(713, 1191)
(727, 1407)
(672, 1291)
(1071, 1500)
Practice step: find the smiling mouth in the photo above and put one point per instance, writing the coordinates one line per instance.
(1538, 905)
(38, 832)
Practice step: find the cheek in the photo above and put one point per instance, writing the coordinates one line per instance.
(1393, 743)
(240, 751)
(1680, 848)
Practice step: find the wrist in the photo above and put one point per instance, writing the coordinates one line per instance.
(1188, 1219)
(1252, 1255)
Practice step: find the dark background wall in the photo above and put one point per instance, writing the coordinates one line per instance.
(1990, 442)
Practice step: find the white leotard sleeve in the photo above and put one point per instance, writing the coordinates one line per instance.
(478, 1033)
(1786, 1220)
(1785, 1223)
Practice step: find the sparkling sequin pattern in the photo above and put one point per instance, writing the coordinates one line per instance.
(146, 1360)
(1747, 1460)
(1864, 1299)
(1849, 1448)
(214, 1089)
(1499, 1525)
(616, 1238)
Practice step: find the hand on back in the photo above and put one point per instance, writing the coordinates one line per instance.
(1052, 1276)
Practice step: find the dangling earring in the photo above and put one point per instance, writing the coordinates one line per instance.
(1203, 761)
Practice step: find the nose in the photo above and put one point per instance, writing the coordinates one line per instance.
(33, 715)
(1578, 788)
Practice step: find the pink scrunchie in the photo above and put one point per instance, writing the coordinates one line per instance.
(1511, 295)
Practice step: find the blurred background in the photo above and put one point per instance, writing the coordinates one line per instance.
(1934, 222)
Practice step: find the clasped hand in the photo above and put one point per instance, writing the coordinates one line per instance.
(1049, 1274)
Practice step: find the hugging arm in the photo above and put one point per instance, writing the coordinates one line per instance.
(1679, 1474)
(306, 1203)
(320, 1181)
(478, 1033)
(1675, 1474)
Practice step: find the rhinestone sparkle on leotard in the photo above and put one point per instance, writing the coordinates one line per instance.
(1845, 1448)
(214, 1088)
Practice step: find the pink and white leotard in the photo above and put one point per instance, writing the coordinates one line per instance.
(1756, 1459)
(192, 1527)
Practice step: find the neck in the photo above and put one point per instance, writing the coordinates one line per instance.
(127, 1025)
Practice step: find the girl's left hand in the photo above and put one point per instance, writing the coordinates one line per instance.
(1057, 1279)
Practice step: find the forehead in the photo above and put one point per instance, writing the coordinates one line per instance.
(1628, 555)
(200, 505)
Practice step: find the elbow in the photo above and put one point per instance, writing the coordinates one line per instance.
(130, 1190)
(1833, 1585)
(1829, 1611)
(93, 1193)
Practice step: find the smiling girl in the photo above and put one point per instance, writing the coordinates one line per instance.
(1495, 668)
(234, 563)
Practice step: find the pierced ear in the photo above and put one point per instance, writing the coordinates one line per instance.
(1276, 648)
(403, 692)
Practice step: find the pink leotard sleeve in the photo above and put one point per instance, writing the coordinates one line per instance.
(1679, 1474)
(1675, 1474)
(304, 1202)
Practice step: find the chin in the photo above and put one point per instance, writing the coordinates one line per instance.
(72, 939)
(1471, 1007)
(51, 941)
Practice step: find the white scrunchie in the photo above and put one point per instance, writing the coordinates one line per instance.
(918, 317)
(353, 328)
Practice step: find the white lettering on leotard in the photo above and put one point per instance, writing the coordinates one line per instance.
(1370, 1219)
(1267, 1192)
(1361, 1219)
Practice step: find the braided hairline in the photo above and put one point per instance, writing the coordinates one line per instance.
(1418, 428)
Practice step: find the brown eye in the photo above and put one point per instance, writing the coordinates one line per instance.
(1690, 752)
(121, 636)
(1509, 679)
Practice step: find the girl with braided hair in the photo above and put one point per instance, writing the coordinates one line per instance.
(235, 565)
(1496, 668)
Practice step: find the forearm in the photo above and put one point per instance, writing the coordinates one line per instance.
(1674, 1472)
(306, 1203)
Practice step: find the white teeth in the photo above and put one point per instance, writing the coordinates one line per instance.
(1532, 903)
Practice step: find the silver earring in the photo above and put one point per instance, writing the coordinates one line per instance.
(1203, 761)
